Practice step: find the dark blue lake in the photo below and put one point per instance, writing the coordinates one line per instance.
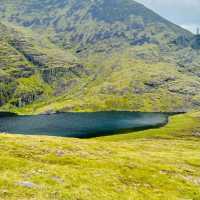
(81, 125)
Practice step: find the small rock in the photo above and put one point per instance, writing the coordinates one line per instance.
(27, 184)
(60, 153)
(58, 179)
(196, 134)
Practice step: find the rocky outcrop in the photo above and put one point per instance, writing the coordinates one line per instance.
(189, 90)
(196, 42)
(158, 81)
(26, 98)
(65, 86)
(182, 41)
(27, 49)
(52, 74)
(6, 92)
(23, 71)
(185, 41)
(155, 58)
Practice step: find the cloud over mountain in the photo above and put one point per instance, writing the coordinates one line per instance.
(182, 12)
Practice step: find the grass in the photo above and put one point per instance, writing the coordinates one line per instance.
(153, 164)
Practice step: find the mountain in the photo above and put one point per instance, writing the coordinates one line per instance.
(101, 55)
(95, 55)
(79, 24)
(27, 67)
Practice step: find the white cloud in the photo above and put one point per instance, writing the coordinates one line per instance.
(182, 12)
(191, 27)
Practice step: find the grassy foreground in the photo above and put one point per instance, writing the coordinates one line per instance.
(154, 164)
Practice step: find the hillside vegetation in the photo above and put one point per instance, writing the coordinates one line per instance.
(32, 68)
(95, 55)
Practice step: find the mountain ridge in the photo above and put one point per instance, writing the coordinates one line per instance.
(111, 44)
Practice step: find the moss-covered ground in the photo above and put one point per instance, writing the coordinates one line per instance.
(153, 164)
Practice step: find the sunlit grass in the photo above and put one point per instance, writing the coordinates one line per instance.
(154, 164)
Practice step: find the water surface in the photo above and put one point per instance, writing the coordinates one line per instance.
(81, 125)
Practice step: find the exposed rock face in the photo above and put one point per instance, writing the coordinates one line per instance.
(21, 59)
(27, 49)
(185, 41)
(27, 184)
(182, 41)
(196, 42)
(117, 20)
(65, 86)
(159, 81)
(7, 88)
(102, 53)
(188, 90)
(5, 95)
(26, 98)
(52, 74)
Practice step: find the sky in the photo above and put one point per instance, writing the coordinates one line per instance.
(185, 13)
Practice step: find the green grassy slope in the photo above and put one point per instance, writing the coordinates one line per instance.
(13, 67)
(155, 164)
(33, 69)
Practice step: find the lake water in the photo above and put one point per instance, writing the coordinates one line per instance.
(81, 125)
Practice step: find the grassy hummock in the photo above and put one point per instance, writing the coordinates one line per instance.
(152, 164)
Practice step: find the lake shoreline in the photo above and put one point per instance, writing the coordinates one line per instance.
(61, 112)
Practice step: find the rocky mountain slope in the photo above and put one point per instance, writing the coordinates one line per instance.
(100, 55)
(34, 69)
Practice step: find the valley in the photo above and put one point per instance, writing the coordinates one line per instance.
(62, 62)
